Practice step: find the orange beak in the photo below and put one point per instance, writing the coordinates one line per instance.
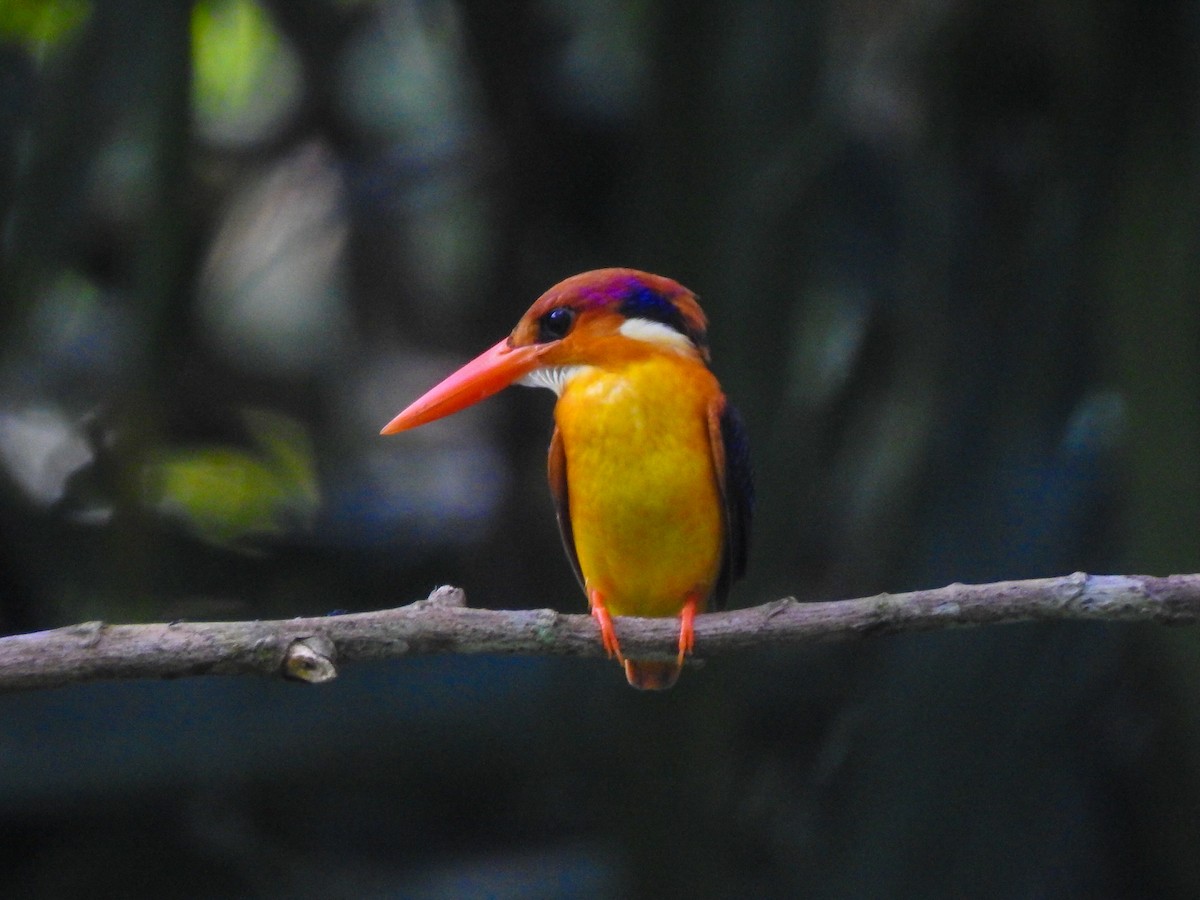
(488, 373)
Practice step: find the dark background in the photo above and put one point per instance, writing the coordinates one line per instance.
(949, 250)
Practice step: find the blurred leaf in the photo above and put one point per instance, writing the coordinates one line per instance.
(245, 77)
(231, 497)
(41, 24)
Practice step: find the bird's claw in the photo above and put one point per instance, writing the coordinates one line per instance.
(608, 634)
(687, 632)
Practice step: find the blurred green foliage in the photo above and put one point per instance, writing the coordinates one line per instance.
(232, 41)
(243, 73)
(41, 25)
(232, 498)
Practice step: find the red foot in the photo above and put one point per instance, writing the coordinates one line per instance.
(608, 635)
(687, 633)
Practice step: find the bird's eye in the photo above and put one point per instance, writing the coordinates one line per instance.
(555, 324)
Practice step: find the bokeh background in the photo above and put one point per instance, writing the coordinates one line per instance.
(949, 249)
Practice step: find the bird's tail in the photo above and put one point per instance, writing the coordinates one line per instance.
(651, 675)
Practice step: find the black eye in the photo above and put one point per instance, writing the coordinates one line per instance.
(554, 325)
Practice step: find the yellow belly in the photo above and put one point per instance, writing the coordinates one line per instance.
(644, 504)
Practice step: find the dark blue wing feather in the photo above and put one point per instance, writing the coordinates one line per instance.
(731, 454)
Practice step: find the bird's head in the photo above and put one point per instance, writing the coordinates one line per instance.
(593, 319)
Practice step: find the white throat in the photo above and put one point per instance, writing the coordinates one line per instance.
(555, 378)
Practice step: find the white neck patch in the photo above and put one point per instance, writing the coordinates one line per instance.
(657, 333)
(554, 377)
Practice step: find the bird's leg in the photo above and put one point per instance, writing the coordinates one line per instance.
(687, 622)
(608, 634)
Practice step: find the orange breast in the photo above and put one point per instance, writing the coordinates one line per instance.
(645, 508)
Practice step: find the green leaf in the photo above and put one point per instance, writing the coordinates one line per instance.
(41, 25)
(232, 497)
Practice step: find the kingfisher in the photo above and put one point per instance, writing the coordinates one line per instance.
(648, 463)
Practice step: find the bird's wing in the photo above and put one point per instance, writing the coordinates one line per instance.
(731, 460)
(556, 470)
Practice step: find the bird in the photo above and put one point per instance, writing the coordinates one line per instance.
(648, 463)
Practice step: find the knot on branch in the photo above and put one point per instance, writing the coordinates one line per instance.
(90, 632)
(445, 597)
(310, 659)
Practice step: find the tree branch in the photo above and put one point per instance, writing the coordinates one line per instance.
(311, 649)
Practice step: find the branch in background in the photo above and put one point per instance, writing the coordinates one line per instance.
(311, 649)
